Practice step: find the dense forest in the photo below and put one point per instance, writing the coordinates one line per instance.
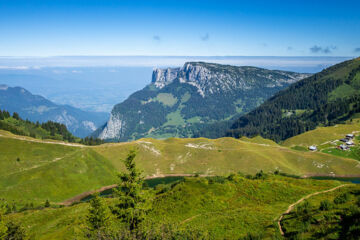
(47, 130)
(324, 99)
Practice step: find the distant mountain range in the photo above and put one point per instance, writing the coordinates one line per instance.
(180, 102)
(37, 108)
(328, 97)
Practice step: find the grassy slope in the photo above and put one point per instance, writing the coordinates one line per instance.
(326, 140)
(326, 223)
(224, 210)
(222, 156)
(49, 171)
(58, 172)
(323, 134)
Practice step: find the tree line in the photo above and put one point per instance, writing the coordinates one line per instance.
(49, 129)
(310, 95)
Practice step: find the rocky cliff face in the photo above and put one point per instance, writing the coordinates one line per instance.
(215, 78)
(180, 101)
(163, 77)
(114, 128)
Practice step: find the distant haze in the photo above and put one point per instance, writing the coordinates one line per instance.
(98, 83)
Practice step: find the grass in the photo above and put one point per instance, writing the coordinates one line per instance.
(174, 119)
(353, 152)
(223, 209)
(167, 99)
(259, 140)
(58, 172)
(343, 91)
(325, 223)
(323, 134)
(222, 156)
(49, 171)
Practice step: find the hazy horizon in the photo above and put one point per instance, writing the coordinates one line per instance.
(98, 83)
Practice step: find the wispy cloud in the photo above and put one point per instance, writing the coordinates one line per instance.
(15, 67)
(205, 37)
(357, 50)
(289, 48)
(157, 38)
(325, 50)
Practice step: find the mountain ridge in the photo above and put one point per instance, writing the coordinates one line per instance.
(180, 101)
(37, 108)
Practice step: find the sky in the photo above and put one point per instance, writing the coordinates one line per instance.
(179, 28)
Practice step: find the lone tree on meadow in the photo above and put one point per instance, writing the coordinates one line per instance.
(47, 203)
(132, 204)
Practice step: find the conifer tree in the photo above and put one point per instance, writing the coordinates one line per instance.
(132, 203)
(16, 116)
(98, 219)
(47, 203)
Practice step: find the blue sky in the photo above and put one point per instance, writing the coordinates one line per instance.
(179, 28)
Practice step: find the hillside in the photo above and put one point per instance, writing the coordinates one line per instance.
(45, 130)
(333, 215)
(37, 108)
(324, 99)
(186, 101)
(33, 170)
(323, 135)
(213, 207)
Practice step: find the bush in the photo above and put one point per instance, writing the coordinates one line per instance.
(47, 204)
(343, 198)
(260, 175)
(252, 236)
(303, 209)
(325, 205)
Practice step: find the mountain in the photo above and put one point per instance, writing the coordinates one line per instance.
(324, 99)
(183, 101)
(37, 108)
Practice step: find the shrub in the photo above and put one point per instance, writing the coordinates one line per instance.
(260, 175)
(252, 236)
(325, 205)
(343, 198)
(47, 203)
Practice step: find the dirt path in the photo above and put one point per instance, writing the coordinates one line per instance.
(43, 141)
(291, 207)
(78, 198)
(42, 165)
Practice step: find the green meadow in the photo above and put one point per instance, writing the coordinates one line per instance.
(220, 208)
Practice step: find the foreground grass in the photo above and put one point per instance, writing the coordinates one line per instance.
(32, 172)
(220, 208)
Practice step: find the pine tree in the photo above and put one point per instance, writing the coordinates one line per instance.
(132, 203)
(98, 219)
(16, 116)
(47, 203)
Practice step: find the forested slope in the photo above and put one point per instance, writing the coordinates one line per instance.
(329, 97)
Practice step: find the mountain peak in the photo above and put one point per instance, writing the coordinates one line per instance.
(212, 78)
(4, 87)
